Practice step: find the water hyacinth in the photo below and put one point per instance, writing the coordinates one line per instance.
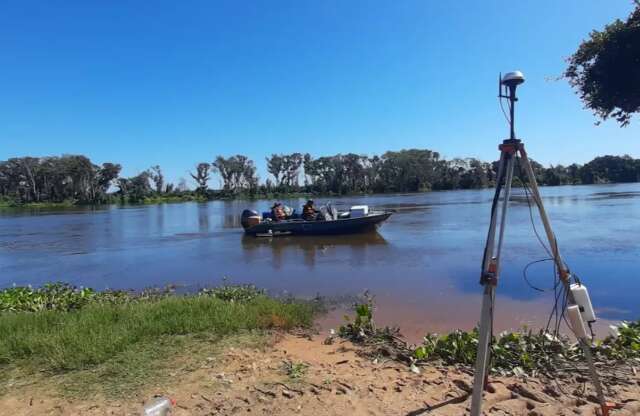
(233, 293)
(57, 296)
(66, 297)
(527, 352)
(518, 353)
(625, 345)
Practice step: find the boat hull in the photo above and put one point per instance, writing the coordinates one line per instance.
(302, 227)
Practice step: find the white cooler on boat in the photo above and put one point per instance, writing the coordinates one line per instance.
(358, 211)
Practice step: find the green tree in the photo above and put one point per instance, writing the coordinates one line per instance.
(604, 69)
(135, 189)
(238, 173)
(275, 166)
(605, 169)
(155, 174)
(201, 177)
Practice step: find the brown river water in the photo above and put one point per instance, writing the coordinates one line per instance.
(422, 265)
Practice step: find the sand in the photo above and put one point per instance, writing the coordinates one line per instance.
(337, 381)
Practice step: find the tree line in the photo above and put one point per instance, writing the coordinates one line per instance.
(76, 179)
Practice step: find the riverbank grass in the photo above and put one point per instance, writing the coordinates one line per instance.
(115, 347)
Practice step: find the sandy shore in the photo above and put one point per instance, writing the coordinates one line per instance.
(333, 380)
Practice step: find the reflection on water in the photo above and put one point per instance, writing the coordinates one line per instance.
(611, 195)
(423, 264)
(310, 247)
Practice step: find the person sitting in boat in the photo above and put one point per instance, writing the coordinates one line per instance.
(309, 212)
(277, 212)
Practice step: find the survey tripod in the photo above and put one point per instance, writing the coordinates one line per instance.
(509, 151)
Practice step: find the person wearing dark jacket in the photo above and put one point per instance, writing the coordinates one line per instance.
(309, 212)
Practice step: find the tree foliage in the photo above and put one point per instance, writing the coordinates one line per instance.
(56, 179)
(286, 170)
(135, 189)
(238, 174)
(604, 69)
(155, 174)
(75, 178)
(202, 176)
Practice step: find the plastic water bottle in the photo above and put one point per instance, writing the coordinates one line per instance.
(159, 407)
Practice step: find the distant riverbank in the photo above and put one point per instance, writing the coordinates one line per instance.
(75, 178)
(210, 195)
(188, 196)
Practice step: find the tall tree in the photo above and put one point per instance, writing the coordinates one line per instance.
(604, 69)
(291, 168)
(201, 176)
(135, 189)
(155, 173)
(275, 166)
(238, 173)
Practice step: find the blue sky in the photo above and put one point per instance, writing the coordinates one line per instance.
(176, 83)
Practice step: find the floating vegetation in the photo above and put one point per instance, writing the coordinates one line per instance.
(65, 297)
(512, 353)
(233, 293)
(625, 344)
(363, 329)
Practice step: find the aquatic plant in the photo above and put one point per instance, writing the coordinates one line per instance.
(512, 352)
(233, 293)
(57, 296)
(455, 347)
(66, 297)
(624, 344)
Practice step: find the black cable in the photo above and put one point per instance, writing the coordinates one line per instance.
(526, 193)
(500, 98)
(526, 279)
(553, 256)
(554, 311)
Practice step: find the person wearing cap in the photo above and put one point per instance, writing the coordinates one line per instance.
(277, 212)
(308, 211)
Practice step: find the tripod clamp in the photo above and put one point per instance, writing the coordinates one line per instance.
(490, 277)
(511, 146)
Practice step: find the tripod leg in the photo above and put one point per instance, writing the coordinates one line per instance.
(490, 271)
(488, 247)
(505, 202)
(563, 273)
(483, 355)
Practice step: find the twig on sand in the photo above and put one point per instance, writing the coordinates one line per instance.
(429, 408)
(300, 392)
(265, 392)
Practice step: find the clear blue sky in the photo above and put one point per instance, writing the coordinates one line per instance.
(178, 82)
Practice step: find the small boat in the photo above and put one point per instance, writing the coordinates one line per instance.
(357, 219)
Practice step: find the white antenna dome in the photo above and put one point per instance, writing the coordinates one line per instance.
(513, 78)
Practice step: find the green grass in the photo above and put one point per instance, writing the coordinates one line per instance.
(117, 347)
(62, 341)
(7, 203)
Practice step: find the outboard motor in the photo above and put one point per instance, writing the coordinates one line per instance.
(249, 218)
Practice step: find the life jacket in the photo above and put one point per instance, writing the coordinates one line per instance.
(308, 211)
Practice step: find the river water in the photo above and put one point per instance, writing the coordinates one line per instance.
(422, 265)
